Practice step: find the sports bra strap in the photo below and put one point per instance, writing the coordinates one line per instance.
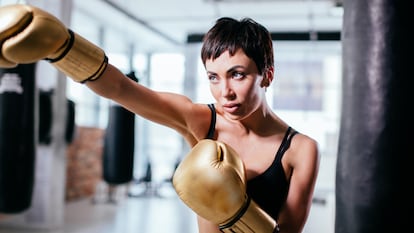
(212, 128)
(286, 142)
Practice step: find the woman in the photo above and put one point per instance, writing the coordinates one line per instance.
(238, 58)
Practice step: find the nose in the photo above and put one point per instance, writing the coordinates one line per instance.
(227, 91)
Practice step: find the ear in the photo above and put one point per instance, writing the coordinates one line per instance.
(267, 77)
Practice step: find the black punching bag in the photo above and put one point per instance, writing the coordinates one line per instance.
(70, 121)
(17, 137)
(45, 117)
(118, 153)
(373, 184)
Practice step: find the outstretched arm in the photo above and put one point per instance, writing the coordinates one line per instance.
(29, 34)
(172, 110)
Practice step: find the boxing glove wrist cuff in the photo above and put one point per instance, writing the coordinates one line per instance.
(81, 60)
(238, 216)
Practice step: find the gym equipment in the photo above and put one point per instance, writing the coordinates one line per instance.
(118, 155)
(26, 28)
(211, 180)
(45, 117)
(372, 175)
(17, 137)
(70, 121)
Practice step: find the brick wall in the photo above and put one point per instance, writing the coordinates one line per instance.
(84, 163)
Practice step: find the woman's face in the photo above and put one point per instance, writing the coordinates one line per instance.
(235, 84)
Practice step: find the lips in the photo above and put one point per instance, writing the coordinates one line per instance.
(231, 107)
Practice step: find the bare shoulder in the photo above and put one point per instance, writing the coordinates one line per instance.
(199, 120)
(304, 142)
(304, 150)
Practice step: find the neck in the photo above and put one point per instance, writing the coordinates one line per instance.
(263, 121)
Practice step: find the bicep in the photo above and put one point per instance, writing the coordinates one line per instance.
(169, 109)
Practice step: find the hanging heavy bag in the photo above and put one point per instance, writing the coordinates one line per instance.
(70, 121)
(373, 174)
(17, 137)
(45, 117)
(118, 154)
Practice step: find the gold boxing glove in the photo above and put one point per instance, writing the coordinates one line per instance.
(29, 34)
(211, 181)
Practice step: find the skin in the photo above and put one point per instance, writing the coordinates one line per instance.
(245, 121)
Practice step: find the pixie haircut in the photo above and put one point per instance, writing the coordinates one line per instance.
(229, 34)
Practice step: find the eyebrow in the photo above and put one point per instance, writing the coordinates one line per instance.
(232, 69)
(235, 67)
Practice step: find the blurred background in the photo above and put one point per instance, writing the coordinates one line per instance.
(159, 43)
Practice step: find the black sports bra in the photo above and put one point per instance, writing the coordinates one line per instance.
(269, 189)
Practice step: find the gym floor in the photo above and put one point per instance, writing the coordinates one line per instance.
(144, 210)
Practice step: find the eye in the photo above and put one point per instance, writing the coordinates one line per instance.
(213, 78)
(238, 75)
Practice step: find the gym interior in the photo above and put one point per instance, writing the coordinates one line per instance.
(346, 90)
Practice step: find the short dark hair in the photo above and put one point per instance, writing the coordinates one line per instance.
(229, 34)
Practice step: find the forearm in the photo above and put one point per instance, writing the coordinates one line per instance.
(109, 83)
